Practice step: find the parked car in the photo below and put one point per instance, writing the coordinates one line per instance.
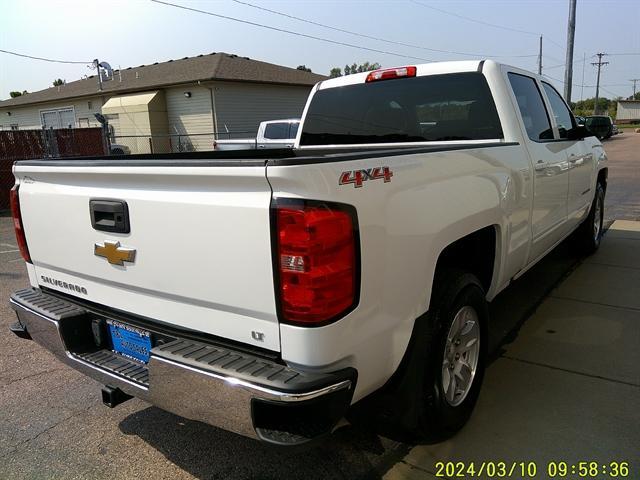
(118, 149)
(271, 134)
(600, 125)
(268, 292)
(580, 120)
(615, 130)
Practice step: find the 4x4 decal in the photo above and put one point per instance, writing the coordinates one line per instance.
(358, 177)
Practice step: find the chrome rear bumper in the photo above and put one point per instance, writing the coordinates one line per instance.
(242, 393)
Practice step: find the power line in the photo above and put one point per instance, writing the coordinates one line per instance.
(474, 20)
(371, 37)
(291, 32)
(562, 81)
(482, 22)
(610, 92)
(563, 64)
(42, 58)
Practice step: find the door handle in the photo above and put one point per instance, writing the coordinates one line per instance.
(109, 215)
(541, 165)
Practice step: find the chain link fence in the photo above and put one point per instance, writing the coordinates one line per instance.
(45, 143)
(174, 143)
(86, 142)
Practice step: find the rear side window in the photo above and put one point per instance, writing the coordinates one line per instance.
(277, 131)
(563, 116)
(532, 109)
(418, 109)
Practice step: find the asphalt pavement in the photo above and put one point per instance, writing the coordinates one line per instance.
(564, 383)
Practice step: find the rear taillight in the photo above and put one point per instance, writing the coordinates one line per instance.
(17, 223)
(389, 73)
(317, 259)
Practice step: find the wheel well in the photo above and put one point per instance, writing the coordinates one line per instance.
(602, 177)
(474, 252)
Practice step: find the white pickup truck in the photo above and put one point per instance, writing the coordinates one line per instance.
(271, 134)
(268, 292)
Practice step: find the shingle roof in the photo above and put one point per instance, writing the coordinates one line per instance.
(214, 66)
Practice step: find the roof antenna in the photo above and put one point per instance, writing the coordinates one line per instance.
(104, 72)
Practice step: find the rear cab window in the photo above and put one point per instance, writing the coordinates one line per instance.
(457, 106)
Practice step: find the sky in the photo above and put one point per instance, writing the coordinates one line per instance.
(129, 33)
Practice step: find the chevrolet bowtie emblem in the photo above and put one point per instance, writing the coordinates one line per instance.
(114, 253)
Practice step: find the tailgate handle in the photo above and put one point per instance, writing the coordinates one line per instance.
(109, 215)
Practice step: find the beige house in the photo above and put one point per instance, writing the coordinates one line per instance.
(176, 105)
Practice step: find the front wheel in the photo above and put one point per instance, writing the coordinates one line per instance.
(589, 234)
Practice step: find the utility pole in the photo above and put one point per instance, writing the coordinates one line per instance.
(584, 61)
(540, 58)
(634, 80)
(571, 32)
(598, 64)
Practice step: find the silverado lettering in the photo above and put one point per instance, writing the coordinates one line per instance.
(60, 283)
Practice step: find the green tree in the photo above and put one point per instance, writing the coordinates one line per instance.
(587, 106)
(353, 68)
(58, 82)
(17, 94)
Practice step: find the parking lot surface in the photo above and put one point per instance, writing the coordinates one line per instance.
(563, 384)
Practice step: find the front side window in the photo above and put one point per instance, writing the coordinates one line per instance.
(455, 106)
(563, 116)
(531, 106)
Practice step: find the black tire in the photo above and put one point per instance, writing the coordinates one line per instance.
(423, 412)
(586, 236)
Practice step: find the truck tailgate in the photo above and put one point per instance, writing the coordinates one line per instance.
(201, 236)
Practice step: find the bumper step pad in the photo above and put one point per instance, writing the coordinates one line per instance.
(47, 305)
(130, 369)
(243, 366)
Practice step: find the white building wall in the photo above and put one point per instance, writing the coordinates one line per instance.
(628, 110)
(28, 116)
(190, 118)
(241, 107)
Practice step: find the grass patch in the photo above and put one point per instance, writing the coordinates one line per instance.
(633, 125)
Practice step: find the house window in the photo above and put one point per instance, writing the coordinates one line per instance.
(89, 104)
(83, 123)
(14, 126)
(59, 118)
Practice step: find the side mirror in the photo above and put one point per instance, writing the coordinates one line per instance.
(578, 133)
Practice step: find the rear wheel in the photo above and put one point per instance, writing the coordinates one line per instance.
(445, 364)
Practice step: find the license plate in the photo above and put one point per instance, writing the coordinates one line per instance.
(130, 341)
